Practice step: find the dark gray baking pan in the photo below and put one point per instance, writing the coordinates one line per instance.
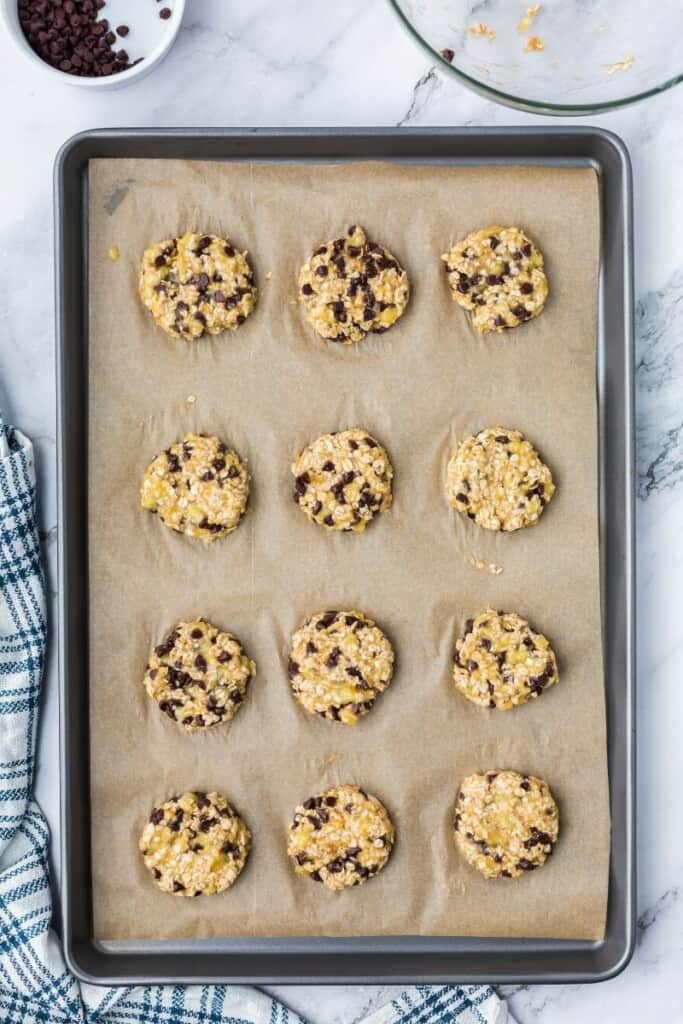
(350, 960)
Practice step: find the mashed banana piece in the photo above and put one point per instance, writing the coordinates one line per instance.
(197, 486)
(497, 478)
(195, 844)
(497, 275)
(501, 661)
(350, 287)
(338, 665)
(505, 823)
(197, 284)
(342, 480)
(341, 837)
(198, 675)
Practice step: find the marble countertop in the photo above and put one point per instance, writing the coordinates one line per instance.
(300, 63)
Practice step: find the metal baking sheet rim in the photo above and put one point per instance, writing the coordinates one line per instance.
(378, 960)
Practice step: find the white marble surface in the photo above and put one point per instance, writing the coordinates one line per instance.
(303, 63)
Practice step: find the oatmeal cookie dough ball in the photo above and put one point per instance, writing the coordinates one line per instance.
(497, 275)
(197, 486)
(341, 837)
(342, 480)
(339, 663)
(195, 844)
(198, 675)
(352, 286)
(505, 823)
(197, 284)
(502, 662)
(497, 478)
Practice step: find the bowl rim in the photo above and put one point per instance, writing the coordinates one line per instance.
(520, 102)
(22, 45)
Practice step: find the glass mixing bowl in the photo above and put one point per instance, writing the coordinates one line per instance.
(558, 56)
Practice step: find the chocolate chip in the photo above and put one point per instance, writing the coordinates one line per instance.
(333, 657)
(165, 13)
(526, 249)
(301, 482)
(292, 668)
(494, 242)
(123, 31)
(328, 467)
(315, 875)
(157, 816)
(447, 55)
(316, 508)
(526, 288)
(503, 439)
(223, 657)
(200, 663)
(462, 498)
(322, 270)
(326, 620)
(526, 865)
(307, 289)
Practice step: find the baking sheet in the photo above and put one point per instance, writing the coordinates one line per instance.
(268, 390)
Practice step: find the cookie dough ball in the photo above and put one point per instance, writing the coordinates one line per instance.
(198, 486)
(351, 286)
(197, 284)
(195, 844)
(497, 479)
(505, 823)
(342, 480)
(198, 675)
(341, 837)
(501, 661)
(338, 665)
(497, 275)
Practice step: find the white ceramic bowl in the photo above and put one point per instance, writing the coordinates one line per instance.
(150, 37)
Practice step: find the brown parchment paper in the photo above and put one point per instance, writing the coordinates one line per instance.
(268, 390)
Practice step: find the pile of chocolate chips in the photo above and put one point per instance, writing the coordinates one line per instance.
(69, 35)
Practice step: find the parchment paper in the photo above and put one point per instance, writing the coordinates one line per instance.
(268, 390)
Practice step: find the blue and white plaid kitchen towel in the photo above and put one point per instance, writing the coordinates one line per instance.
(35, 986)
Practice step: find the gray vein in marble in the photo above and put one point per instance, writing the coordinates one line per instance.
(650, 916)
(659, 370)
(424, 89)
(660, 351)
